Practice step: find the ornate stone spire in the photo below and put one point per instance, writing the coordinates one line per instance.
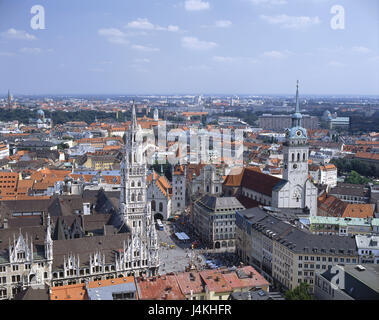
(297, 98)
(134, 118)
(296, 117)
(9, 99)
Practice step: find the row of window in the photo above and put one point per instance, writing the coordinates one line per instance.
(330, 259)
(96, 269)
(15, 267)
(3, 292)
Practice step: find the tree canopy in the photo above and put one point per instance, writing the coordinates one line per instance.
(301, 292)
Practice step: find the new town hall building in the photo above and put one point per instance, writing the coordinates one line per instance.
(89, 248)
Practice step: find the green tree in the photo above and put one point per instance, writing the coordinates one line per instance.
(63, 146)
(355, 178)
(301, 292)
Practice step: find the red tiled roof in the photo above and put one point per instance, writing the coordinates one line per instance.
(359, 210)
(260, 182)
(160, 288)
(214, 281)
(69, 292)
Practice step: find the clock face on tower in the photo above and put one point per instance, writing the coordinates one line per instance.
(299, 133)
(295, 166)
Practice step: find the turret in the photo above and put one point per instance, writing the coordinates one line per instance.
(48, 241)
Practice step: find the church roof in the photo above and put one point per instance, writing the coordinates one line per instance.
(260, 182)
(234, 178)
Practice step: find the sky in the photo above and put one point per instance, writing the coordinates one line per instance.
(190, 47)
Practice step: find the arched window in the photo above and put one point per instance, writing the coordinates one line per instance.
(160, 206)
(132, 184)
(298, 156)
(139, 197)
(293, 157)
(303, 156)
(133, 197)
(139, 183)
(153, 205)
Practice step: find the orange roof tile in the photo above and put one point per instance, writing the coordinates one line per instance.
(160, 288)
(359, 210)
(69, 292)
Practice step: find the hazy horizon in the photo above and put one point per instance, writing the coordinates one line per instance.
(162, 47)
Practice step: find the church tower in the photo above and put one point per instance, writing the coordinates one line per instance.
(296, 153)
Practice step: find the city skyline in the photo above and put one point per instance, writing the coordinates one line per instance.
(242, 47)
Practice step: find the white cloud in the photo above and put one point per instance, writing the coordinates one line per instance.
(336, 64)
(172, 28)
(96, 70)
(361, 50)
(223, 23)
(145, 24)
(31, 50)
(291, 22)
(144, 48)
(268, 2)
(106, 62)
(276, 54)
(196, 5)
(17, 34)
(142, 60)
(196, 44)
(114, 35)
(140, 23)
(223, 59)
(219, 24)
(201, 67)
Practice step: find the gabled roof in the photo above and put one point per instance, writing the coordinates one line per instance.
(252, 178)
(160, 288)
(260, 182)
(31, 293)
(161, 182)
(69, 292)
(359, 210)
(234, 178)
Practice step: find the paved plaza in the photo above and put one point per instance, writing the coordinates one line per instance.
(178, 258)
